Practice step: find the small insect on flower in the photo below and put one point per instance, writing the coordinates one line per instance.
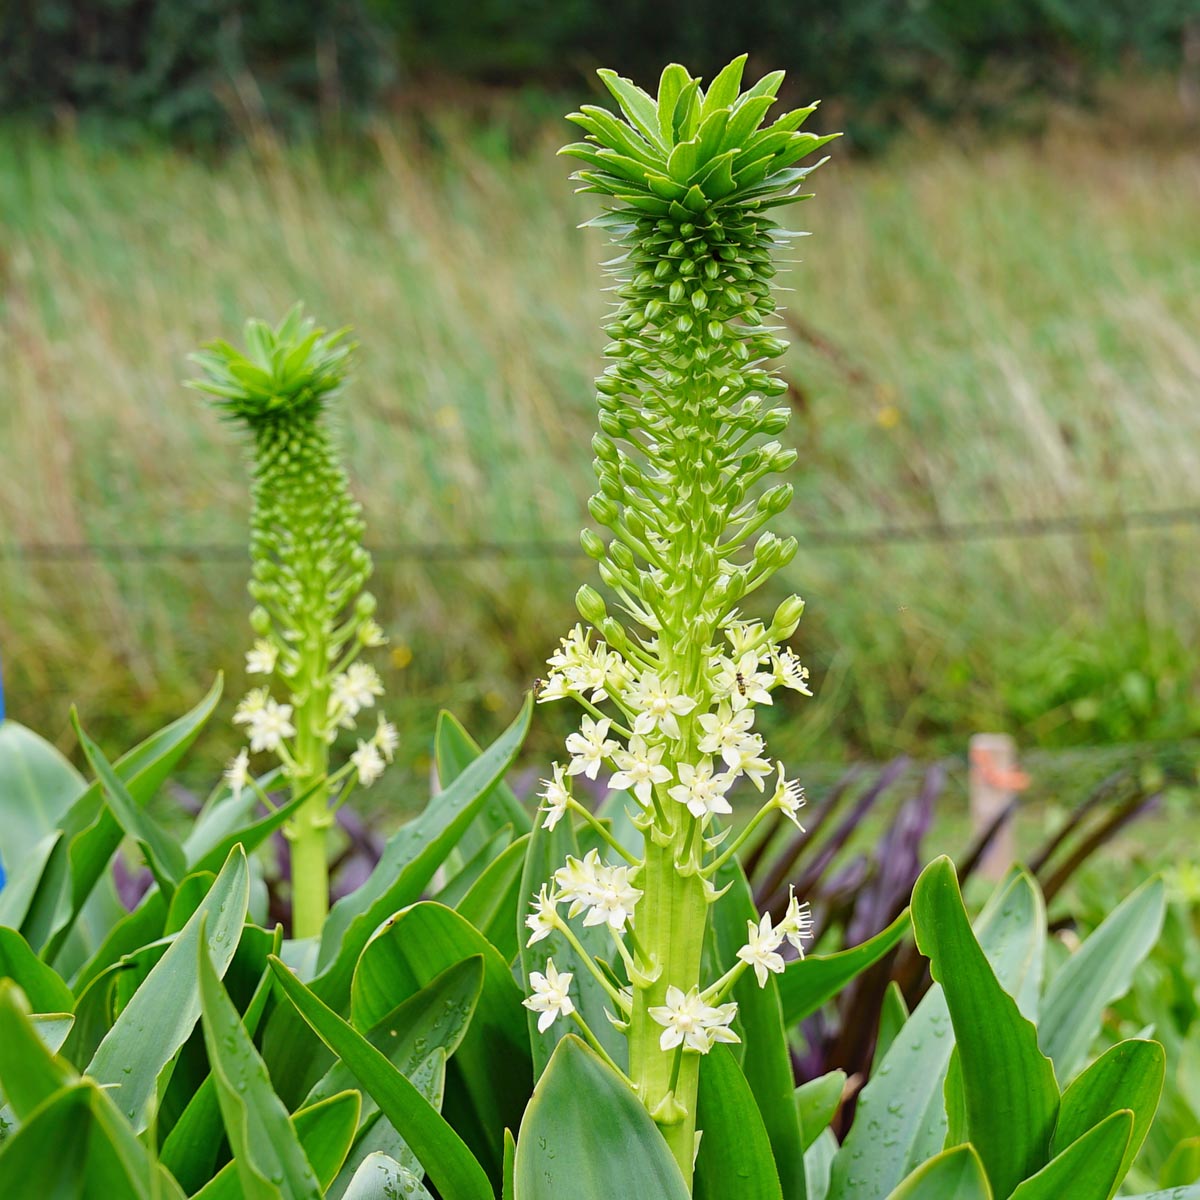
(550, 997)
(368, 762)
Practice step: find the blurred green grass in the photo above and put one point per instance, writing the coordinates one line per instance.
(984, 330)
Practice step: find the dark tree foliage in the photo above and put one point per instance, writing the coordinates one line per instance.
(189, 67)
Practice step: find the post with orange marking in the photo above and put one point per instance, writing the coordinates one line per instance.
(995, 781)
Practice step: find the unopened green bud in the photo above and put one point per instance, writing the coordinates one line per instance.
(590, 605)
(260, 620)
(593, 545)
(603, 510)
(786, 619)
(776, 499)
(604, 447)
(614, 633)
(365, 605)
(776, 421)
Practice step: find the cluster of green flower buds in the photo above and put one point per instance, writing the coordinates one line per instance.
(684, 458)
(312, 618)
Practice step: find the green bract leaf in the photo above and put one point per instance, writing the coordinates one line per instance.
(955, 1174)
(735, 1153)
(1087, 1169)
(441, 1152)
(586, 1136)
(1098, 973)
(807, 983)
(1009, 1091)
(164, 1011)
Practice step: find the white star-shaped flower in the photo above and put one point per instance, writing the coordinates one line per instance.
(726, 733)
(368, 762)
(544, 918)
(590, 747)
(746, 759)
(788, 798)
(797, 923)
(556, 796)
(237, 773)
(613, 899)
(578, 882)
(791, 673)
(355, 689)
(269, 725)
(760, 949)
(640, 769)
(550, 996)
(660, 703)
(687, 1020)
(262, 658)
(701, 790)
(386, 738)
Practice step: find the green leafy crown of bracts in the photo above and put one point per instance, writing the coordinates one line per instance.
(689, 151)
(291, 370)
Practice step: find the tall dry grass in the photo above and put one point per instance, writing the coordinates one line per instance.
(986, 330)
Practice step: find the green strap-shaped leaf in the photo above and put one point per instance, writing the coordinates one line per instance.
(807, 983)
(76, 1144)
(454, 750)
(29, 1072)
(164, 854)
(37, 785)
(191, 1148)
(325, 1132)
(1129, 1075)
(508, 1190)
(269, 1159)
(91, 834)
(442, 1153)
(735, 1153)
(891, 1020)
(766, 1058)
(164, 1010)
(435, 1017)
(1098, 973)
(461, 882)
(493, 903)
(1175, 1193)
(382, 1178)
(42, 987)
(955, 1174)
(901, 1114)
(493, 1062)
(1008, 1087)
(1088, 1168)
(586, 1136)
(817, 1102)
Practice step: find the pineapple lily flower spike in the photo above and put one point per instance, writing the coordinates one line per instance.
(669, 691)
(312, 618)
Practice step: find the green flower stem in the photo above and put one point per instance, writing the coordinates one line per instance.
(594, 1042)
(738, 842)
(601, 831)
(589, 962)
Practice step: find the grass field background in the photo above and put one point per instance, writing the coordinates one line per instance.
(985, 328)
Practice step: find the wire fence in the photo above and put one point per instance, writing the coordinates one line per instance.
(1068, 525)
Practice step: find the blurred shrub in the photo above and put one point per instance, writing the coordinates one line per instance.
(182, 66)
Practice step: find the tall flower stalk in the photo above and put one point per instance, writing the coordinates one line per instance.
(312, 618)
(671, 687)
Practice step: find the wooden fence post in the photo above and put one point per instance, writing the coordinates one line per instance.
(994, 781)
